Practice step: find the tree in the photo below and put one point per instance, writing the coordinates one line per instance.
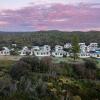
(75, 47)
(20, 69)
(13, 52)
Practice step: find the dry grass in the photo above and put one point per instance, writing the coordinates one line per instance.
(13, 58)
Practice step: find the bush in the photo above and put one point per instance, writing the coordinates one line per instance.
(45, 64)
(33, 62)
(20, 69)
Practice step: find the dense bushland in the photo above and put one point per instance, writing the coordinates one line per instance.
(32, 78)
(46, 37)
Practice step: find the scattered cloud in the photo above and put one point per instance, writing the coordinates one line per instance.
(56, 16)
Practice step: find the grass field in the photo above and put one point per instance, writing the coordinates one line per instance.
(12, 58)
(7, 59)
(67, 59)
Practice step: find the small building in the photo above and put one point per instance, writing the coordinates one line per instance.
(25, 51)
(84, 55)
(95, 54)
(4, 51)
(34, 48)
(67, 45)
(92, 46)
(83, 47)
(58, 48)
(58, 51)
(42, 51)
(14, 45)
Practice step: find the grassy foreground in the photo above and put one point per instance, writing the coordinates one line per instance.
(31, 78)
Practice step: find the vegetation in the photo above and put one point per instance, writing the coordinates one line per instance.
(46, 37)
(75, 47)
(32, 78)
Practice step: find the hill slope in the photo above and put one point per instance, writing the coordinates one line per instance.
(47, 37)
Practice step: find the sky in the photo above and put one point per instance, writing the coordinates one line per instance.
(36, 15)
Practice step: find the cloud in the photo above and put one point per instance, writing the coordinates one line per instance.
(3, 23)
(37, 2)
(55, 16)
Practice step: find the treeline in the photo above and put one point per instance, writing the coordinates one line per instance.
(46, 37)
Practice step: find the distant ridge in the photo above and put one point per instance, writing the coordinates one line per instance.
(51, 37)
(46, 31)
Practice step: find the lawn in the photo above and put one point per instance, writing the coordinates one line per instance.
(67, 59)
(4, 60)
(13, 58)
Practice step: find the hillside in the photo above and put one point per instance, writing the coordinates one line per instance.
(47, 37)
(31, 78)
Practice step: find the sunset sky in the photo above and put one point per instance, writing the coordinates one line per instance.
(35, 15)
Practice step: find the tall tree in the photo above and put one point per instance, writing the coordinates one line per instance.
(75, 46)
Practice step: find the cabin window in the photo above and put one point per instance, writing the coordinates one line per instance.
(60, 53)
(37, 53)
(55, 53)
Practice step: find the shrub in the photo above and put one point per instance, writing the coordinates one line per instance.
(20, 69)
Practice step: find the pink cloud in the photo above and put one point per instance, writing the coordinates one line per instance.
(3, 23)
(57, 16)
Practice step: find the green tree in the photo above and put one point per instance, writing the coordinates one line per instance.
(13, 52)
(75, 47)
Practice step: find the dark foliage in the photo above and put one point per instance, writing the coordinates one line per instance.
(32, 61)
(41, 79)
(20, 69)
(46, 37)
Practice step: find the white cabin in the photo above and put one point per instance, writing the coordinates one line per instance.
(58, 48)
(34, 48)
(82, 44)
(58, 51)
(83, 47)
(95, 54)
(92, 46)
(24, 51)
(42, 51)
(14, 45)
(84, 55)
(67, 45)
(95, 45)
(5, 51)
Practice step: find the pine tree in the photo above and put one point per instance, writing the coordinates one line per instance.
(75, 46)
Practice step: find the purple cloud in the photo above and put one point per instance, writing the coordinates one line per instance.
(56, 16)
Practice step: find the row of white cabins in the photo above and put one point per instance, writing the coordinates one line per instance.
(92, 50)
